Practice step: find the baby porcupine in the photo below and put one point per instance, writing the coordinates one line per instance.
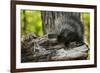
(69, 29)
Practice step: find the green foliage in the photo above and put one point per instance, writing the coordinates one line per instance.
(86, 21)
(33, 22)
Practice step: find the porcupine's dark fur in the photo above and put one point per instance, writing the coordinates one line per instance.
(69, 29)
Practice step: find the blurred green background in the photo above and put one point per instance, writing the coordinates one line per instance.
(85, 17)
(31, 22)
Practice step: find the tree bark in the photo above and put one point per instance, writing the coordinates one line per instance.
(49, 17)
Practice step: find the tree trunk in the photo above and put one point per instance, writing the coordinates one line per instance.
(25, 24)
(49, 17)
